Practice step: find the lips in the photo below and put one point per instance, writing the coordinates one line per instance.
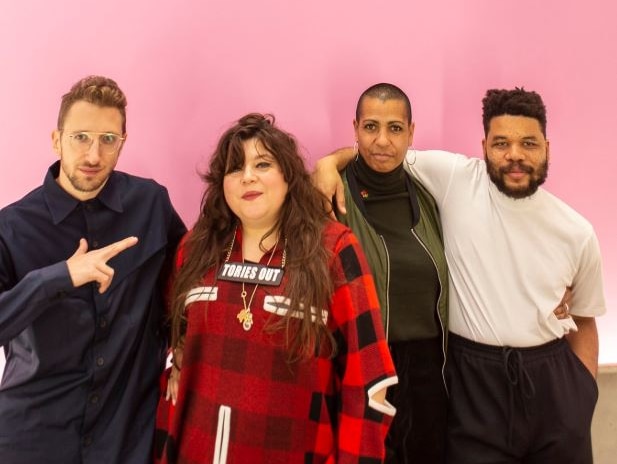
(516, 175)
(90, 171)
(249, 196)
(516, 171)
(381, 156)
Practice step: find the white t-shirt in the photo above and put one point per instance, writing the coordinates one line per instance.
(510, 260)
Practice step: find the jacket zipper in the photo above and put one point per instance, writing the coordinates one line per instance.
(443, 332)
(383, 241)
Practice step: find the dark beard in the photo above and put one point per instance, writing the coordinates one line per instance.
(536, 178)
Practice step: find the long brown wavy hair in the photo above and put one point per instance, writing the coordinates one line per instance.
(301, 222)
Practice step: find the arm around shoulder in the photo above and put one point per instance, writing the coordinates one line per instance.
(326, 177)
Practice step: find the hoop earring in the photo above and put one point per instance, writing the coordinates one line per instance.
(355, 150)
(414, 157)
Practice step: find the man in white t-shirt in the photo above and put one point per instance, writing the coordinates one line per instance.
(519, 392)
(521, 381)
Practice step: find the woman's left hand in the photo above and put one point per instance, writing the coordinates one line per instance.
(172, 385)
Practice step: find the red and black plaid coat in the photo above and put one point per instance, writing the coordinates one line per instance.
(241, 402)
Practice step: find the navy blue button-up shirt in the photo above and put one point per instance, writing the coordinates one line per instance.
(81, 378)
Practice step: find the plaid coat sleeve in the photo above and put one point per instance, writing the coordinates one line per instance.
(362, 360)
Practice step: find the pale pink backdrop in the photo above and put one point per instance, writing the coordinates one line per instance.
(190, 68)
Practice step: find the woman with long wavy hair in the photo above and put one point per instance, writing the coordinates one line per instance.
(279, 351)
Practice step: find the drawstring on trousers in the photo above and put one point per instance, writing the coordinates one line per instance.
(519, 381)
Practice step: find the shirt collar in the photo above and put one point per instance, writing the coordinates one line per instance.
(61, 203)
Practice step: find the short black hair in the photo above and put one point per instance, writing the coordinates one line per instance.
(385, 91)
(516, 102)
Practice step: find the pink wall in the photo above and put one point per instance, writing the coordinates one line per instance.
(192, 67)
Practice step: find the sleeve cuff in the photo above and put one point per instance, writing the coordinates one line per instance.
(385, 408)
(57, 280)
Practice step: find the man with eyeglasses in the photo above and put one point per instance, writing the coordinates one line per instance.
(81, 310)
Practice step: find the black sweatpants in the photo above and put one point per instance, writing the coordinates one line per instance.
(418, 431)
(518, 405)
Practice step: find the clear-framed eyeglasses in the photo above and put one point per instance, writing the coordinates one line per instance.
(109, 143)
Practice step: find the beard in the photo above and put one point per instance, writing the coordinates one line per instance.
(82, 183)
(536, 178)
(86, 186)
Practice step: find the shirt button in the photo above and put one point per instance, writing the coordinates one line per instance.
(94, 399)
(100, 361)
(102, 323)
(87, 440)
(95, 244)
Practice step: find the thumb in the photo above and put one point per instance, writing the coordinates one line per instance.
(82, 248)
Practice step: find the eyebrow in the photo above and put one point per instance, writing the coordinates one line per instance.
(266, 155)
(78, 131)
(503, 137)
(395, 121)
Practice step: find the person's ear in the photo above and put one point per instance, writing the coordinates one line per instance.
(125, 136)
(56, 145)
(412, 127)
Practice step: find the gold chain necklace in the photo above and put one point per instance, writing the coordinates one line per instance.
(245, 316)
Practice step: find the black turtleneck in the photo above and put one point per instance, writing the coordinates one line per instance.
(414, 284)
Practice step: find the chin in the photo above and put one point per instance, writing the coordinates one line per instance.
(519, 193)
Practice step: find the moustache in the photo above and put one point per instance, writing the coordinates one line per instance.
(514, 166)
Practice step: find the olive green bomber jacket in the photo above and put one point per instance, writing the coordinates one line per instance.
(428, 232)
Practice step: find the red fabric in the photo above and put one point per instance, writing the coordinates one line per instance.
(308, 412)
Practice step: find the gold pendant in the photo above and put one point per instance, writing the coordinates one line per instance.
(245, 317)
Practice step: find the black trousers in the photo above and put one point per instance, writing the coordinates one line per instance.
(518, 405)
(418, 431)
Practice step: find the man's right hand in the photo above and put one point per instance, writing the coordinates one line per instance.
(91, 266)
(327, 179)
